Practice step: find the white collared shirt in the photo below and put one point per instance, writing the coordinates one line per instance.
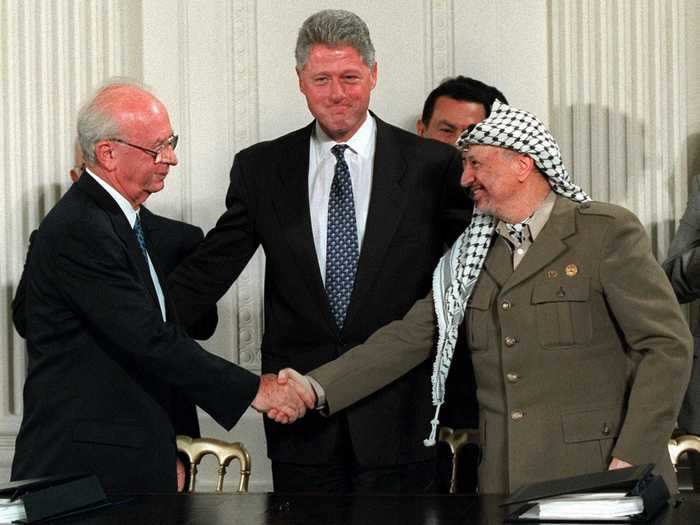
(360, 160)
(131, 214)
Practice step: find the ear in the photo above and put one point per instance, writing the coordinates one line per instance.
(301, 83)
(105, 156)
(420, 127)
(525, 166)
(373, 76)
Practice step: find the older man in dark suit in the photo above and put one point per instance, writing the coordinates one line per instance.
(170, 241)
(350, 213)
(107, 364)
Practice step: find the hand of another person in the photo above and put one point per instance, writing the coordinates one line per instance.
(300, 383)
(279, 401)
(180, 473)
(618, 463)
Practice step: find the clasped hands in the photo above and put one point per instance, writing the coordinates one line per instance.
(284, 397)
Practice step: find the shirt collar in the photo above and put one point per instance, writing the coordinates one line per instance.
(536, 221)
(121, 201)
(541, 215)
(360, 142)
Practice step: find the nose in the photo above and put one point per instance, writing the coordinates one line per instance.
(168, 156)
(337, 90)
(467, 175)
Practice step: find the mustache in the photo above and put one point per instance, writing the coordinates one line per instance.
(469, 190)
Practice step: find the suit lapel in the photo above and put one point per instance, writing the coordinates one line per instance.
(499, 262)
(121, 227)
(549, 243)
(386, 207)
(291, 200)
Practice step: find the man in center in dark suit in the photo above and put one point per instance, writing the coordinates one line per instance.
(351, 214)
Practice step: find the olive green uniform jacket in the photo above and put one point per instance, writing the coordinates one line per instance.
(581, 354)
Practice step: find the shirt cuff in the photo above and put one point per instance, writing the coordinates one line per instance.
(320, 393)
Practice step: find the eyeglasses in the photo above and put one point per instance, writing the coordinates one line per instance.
(157, 153)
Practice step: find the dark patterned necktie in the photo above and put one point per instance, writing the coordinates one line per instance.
(138, 231)
(341, 246)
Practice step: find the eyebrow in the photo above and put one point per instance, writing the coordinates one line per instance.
(443, 122)
(159, 142)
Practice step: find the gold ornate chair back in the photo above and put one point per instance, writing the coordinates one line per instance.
(195, 449)
(679, 445)
(456, 439)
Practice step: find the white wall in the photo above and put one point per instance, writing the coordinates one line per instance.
(225, 69)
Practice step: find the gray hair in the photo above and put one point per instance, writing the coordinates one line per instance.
(334, 27)
(96, 119)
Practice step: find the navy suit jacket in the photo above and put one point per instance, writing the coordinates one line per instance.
(416, 208)
(104, 370)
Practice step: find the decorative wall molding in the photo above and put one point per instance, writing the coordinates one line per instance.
(244, 129)
(618, 104)
(439, 28)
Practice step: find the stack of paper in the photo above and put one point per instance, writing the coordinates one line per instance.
(588, 506)
(11, 511)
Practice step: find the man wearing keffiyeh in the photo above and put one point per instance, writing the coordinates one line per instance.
(580, 350)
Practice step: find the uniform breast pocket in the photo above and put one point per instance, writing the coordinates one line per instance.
(479, 328)
(563, 313)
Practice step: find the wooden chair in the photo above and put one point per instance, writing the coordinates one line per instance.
(456, 440)
(681, 444)
(196, 449)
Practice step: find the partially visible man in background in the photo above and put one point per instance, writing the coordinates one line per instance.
(683, 269)
(107, 363)
(453, 106)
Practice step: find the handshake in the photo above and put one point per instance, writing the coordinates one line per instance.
(285, 396)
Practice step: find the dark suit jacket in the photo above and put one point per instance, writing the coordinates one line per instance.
(415, 181)
(103, 366)
(169, 242)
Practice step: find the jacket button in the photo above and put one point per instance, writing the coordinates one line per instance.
(510, 341)
(606, 429)
(506, 305)
(512, 377)
(515, 415)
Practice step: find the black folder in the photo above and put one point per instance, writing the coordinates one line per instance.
(634, 481)
(55, 497)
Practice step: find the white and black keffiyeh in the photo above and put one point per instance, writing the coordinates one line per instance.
(458, 270)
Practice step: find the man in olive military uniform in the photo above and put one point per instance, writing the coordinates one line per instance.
(580, 351)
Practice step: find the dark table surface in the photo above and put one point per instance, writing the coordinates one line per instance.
(286, 509)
